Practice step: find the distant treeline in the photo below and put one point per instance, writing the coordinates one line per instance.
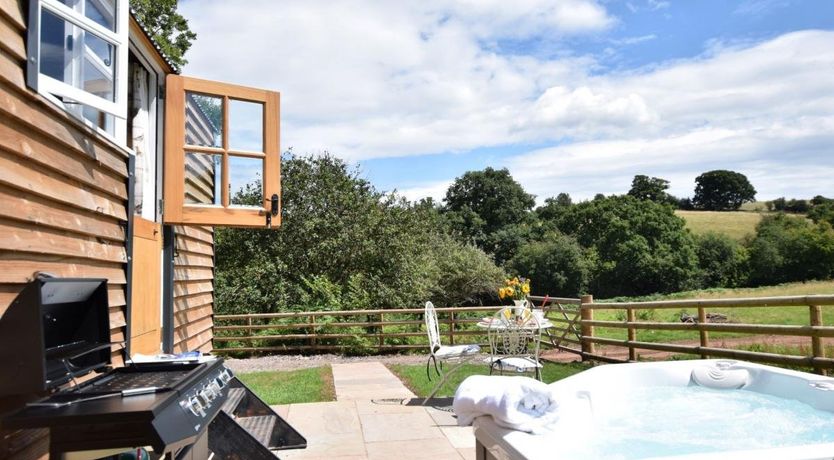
(345, 245)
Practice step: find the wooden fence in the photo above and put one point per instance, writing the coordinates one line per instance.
(576, 331)
(815, 331)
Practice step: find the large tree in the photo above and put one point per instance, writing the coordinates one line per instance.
(640, 247)
(649, 188)
(168, 28)
(344, 245)
(490, 209)
(722, 190)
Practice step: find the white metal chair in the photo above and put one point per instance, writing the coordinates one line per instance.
(456, 355)
(514, 336)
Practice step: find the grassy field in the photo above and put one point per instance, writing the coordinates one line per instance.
(288, 387)
(753, 315)
(414, 375)
(736, 225)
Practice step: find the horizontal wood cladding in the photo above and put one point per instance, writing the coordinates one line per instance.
(193, 288)
(63, 202)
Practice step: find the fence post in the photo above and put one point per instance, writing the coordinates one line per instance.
(451, 328)
(587, 330)
(249, 323)
(816, 341)
(381, 332)
(313, 333)
(702, 320)
(632, 336)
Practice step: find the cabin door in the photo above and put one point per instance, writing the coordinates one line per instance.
(146, 293)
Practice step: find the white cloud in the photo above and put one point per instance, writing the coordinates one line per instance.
(436, 190)
(368, 79)
(634, 40)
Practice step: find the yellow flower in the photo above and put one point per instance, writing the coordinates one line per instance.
(525, 288)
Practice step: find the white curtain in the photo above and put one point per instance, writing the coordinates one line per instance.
(140, 124)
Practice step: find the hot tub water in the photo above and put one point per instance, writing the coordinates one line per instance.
(657, 421)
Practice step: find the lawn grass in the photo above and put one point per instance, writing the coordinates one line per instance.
(751, 315)
(289, 387)
(414, 375)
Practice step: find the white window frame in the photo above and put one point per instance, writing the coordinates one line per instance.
(118, 39)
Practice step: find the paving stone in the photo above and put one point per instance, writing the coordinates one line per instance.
(438, 449)
(461, 437)
(365, 381)
(399, 427)
(332, 429)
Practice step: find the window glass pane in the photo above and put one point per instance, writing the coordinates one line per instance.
(102, 12)
(246, 130)
(245, 177)
(76, 57)
(203, 178)
(203, 120)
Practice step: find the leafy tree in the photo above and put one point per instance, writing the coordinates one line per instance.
(480, 203)
(556, 265)
(820, 200)
(722, 260)
(640, 247)
(649, 188)
(722, 190)
(788, 248)
(779, 204)
(797, 206)
(822, 213)
(168, 28)
(344, 245)
(553, 208)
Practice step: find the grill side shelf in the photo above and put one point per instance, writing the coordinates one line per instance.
(247, 426)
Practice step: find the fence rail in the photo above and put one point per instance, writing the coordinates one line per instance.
(398, 329)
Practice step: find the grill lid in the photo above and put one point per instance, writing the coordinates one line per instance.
(55, 329)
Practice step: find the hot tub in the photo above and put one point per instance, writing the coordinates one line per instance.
(702, 409)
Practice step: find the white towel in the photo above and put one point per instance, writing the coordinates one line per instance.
(518, 403)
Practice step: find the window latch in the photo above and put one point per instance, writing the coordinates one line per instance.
(273, 210)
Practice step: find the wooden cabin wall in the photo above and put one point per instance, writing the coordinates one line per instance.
(193, 288)
(63, 202)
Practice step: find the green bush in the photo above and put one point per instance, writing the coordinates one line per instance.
(789, 249)
(723, 261)
(344, 245)
(556, 266)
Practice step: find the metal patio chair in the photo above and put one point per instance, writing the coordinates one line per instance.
(455, 355)
(514, 336)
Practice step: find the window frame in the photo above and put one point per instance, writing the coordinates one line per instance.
(54, 89)
(176, 211)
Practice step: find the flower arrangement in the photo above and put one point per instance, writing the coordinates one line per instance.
(515, 288)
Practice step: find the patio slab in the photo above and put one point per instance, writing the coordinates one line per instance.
(365, 381)
(375, 417)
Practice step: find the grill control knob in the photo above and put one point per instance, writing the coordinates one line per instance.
(207, 396)
(196, 408)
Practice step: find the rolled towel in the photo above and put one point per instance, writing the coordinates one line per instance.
(518, 403)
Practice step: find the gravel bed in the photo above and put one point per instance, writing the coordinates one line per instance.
(292, 362)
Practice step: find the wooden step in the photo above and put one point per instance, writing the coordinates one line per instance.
(260, 427)
(235, 395)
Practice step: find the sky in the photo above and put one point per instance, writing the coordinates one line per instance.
(573, 96)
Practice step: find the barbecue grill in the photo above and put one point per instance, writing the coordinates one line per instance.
(56, 333)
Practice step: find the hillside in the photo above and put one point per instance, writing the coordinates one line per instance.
(736, 224)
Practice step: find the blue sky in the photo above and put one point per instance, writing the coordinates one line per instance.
(572, 96)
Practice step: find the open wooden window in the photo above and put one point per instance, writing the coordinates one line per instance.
(222, 159)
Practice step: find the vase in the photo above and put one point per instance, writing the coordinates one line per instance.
(520, 305)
